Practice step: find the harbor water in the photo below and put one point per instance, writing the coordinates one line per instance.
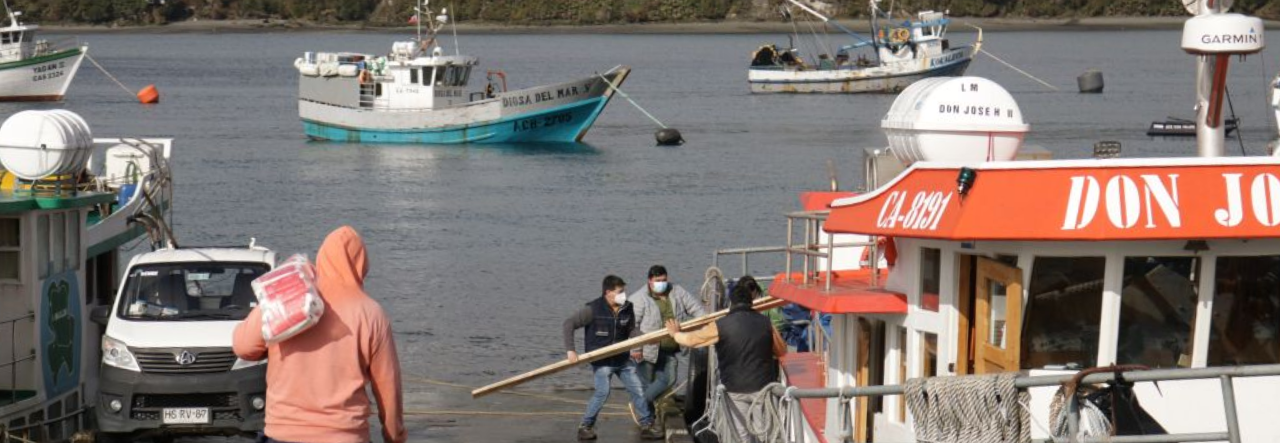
(479, 253)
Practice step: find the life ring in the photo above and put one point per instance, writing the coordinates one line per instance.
(887, 247)
(900, 35)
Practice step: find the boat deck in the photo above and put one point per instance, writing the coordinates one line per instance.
(851, 293)
(804, 370)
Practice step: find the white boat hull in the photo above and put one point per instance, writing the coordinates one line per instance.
(43, 78)
(890, 78)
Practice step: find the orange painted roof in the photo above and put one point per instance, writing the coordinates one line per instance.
(816, 200)
(1132, 199)
(804, 371)
(851, 293)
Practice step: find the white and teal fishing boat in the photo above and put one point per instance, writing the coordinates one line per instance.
(896, 55)
(69, 205)
(32, 69)
(418, 94)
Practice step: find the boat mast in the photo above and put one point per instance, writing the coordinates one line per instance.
(1211, 134)
(838, 26)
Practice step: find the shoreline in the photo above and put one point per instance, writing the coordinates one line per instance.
(723, 27)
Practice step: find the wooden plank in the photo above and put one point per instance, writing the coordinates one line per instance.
(617, 348)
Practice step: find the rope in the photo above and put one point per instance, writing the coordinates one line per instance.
(774, 413)
(980, 408)
(108, 74)
(633, 102)
(1239, 131)
(1015, 68)
(513, 413)
(424, 380)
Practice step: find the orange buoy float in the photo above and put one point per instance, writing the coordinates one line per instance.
(149, 95)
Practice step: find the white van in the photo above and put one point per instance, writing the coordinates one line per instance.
(167, 364)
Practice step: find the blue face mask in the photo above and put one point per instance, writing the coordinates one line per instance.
(660, 287)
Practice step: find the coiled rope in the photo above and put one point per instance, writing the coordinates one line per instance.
(712, 287)
(976, 408)
(723, 418)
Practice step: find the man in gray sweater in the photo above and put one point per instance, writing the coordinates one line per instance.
(657, 302)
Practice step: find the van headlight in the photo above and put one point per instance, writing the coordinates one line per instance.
(243, 364)
(115, 353)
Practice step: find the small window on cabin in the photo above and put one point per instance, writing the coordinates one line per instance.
(57, 242)
(440, 75)
(1245, 325)
(1063, 312)
(413, 75)
(10, 249)
(42, 245)
(5, 38)
(929, 354)
(73, 240)
(427, 74)
(1157, 311)
(930, 274)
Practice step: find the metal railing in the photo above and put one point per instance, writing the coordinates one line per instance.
(38, 48)
(810, 249)
(12, 364)
(1225, 375)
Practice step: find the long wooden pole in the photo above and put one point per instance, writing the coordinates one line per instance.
(616, 348)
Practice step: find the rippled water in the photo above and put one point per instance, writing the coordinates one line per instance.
(480, 252)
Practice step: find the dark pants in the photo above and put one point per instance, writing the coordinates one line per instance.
(263, 438)
(660, 376)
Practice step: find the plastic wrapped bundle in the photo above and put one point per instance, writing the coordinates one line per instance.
(288, 298)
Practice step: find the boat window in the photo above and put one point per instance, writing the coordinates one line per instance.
(428, 74)
(929, 354)
(1245, 325)
(6, 37)
(190, 291)
(1157, 308)
(73, 240)
(1063, 312)
(930, 274)
(10, 248)
(413, 75)
(42, 246)
(57, 242)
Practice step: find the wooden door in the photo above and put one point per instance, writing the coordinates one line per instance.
(865, 416)
(997, 315)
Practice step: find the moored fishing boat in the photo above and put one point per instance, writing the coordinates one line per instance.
(1037, 300)
(69, 205)
(893, 57)
(418, 94)
(32, 69)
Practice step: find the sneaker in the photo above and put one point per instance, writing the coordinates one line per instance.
(586, 432)
(631, 407)
(652, 432)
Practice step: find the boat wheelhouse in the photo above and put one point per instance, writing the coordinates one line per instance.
(33, 69)
(420, 94)
(966, 257)
(61, 238)
(896, 55)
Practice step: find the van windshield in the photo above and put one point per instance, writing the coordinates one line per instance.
(190, 291)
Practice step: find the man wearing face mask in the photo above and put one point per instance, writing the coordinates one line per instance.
(605, 321)
(658, 302)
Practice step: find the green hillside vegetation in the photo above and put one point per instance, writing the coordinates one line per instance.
(567, 12)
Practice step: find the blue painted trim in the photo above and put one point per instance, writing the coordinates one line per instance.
(563, 124)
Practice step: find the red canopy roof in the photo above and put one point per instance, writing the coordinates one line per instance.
(1132, 199)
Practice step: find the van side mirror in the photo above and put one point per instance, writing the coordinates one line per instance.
(100, 315)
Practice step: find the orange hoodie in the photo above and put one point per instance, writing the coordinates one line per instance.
(316, 380)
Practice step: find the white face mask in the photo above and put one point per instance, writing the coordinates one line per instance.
(660, 287)
(620, 298)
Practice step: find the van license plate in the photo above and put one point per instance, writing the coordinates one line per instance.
(183, 416)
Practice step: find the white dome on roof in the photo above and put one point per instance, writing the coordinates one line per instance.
(38, 144)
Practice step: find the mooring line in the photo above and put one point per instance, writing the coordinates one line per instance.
(1015, 68)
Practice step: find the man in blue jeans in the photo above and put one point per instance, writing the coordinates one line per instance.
(605, 321)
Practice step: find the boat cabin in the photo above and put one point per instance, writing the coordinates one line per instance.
(407, 79)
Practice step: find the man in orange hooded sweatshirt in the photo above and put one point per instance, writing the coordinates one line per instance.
(316, 380)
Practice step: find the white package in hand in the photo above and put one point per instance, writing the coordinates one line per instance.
(288, 299)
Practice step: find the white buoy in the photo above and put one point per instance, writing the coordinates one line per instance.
(38, 144)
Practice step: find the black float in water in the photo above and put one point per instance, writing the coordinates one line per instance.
(668, 137)
(1090, 82)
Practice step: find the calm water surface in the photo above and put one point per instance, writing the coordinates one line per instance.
(480, 252)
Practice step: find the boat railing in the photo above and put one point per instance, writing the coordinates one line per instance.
(816, 250)
(369, 96)
(11, 366)
(1224, 374)
(39, 48)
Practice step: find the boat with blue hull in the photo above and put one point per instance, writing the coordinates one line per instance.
(418, 94)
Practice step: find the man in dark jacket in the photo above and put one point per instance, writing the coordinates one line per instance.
(747, 352)
(605, 321)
